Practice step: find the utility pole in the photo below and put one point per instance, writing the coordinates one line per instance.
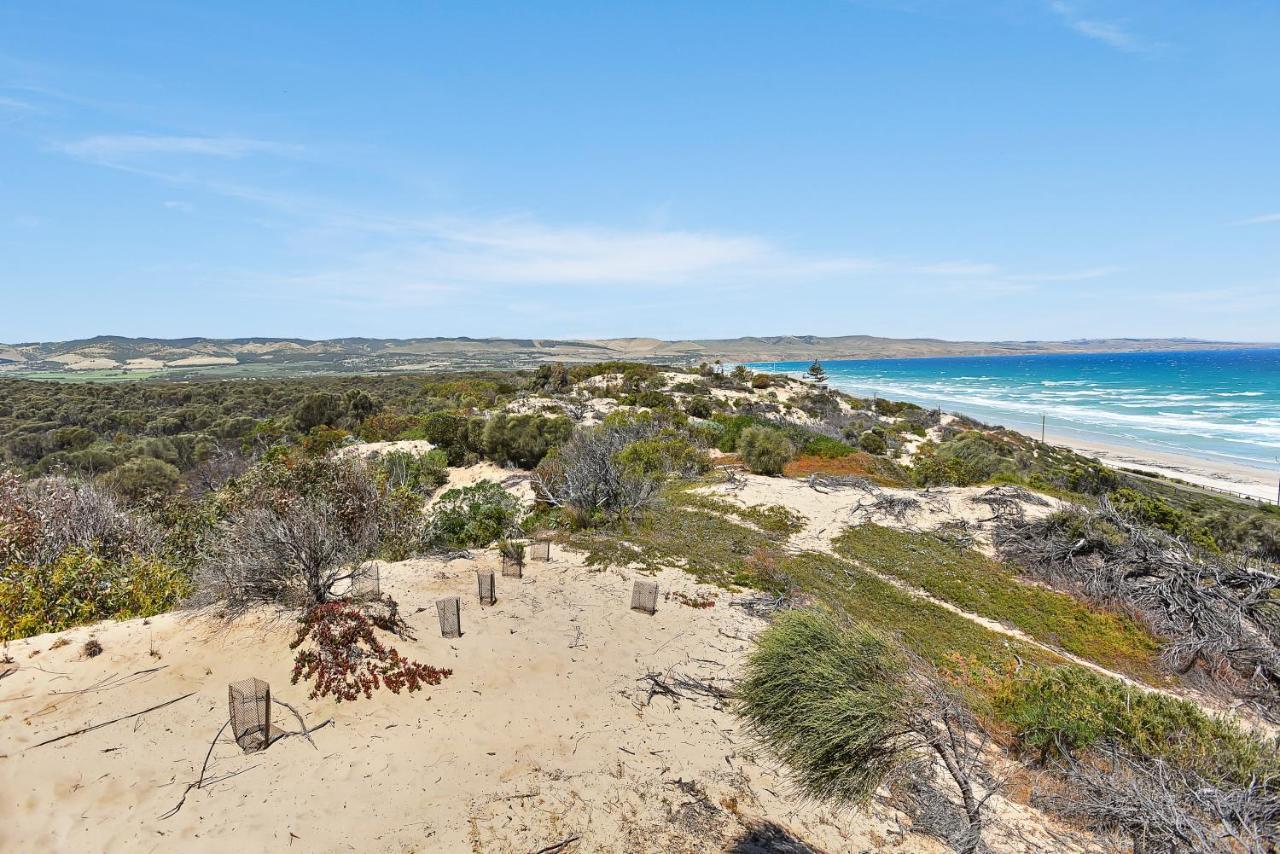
(1042, 420)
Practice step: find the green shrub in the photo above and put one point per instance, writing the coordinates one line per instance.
(321, 440)
(142, 477)
(80, 587)
(932, 468)
(827, 700)
(472, 517)
(894, 407)
(387, 426)
(825, 446)
(699, 407)
(667, 453)
(317, 409)
(760, 381)
(523, 439)
(872, 442)
(1065, 710)
(420, 474)
(655, 400)
(448, 433)
(765, 451)
(1150, 510)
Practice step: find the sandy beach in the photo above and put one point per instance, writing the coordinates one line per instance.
(1237, 479)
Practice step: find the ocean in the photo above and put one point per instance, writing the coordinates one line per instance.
(1218, 405)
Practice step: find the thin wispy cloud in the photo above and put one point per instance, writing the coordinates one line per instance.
(1261, 219)
(116, 146)
(1073, 276)
(417, 261)
(1109, 33)
(15, 105)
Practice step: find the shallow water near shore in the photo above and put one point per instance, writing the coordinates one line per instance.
(1219, 405)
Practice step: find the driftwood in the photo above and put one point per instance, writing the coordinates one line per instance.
(762, 605)
(110, 722)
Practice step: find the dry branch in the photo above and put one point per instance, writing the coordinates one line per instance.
(110, 722)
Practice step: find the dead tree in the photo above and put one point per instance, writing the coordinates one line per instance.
(292, 553)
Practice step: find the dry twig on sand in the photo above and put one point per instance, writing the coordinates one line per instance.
(559, 846)
(110, 722)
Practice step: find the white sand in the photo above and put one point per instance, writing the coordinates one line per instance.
(1236, 478)
(542, 733)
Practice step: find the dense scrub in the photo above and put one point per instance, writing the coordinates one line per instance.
(93, 429)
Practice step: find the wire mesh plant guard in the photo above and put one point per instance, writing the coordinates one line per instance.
(249, 705)
(365, 582)
(484, 581)
(512, 567)
(449, 609)
(644, 596)
(540, 550)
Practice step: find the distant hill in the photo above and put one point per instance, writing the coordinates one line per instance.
(118, 356)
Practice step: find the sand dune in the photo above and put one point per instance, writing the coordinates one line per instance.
(542, 733)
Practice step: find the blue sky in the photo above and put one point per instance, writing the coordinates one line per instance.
(1011, 169)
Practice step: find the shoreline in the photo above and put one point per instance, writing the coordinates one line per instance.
(1238, 479)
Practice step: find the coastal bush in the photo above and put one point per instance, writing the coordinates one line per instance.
(80, 587)
(599, 475)
(322, 440)
(345, 659)
(765, 451)
(828, 700)
(141, 477)
(292, 550)
(873, 443)
(42, 519)
(699, 407)
(294, 526)
(522, 440)
(387, 426)
(844, 709)
(893, 408)
(651, 399)
(320, 408)
(631, 371)
(1151, 510)
(1064, 710)
(419, 474)
(472, 517)
(667, 453)
(826, 446)
(931, 468)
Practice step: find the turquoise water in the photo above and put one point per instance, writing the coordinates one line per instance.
(1222, 404)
